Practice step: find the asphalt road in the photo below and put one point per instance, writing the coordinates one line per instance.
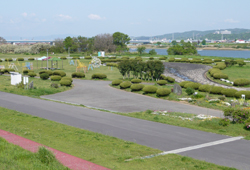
(100, 95)
(156, 135)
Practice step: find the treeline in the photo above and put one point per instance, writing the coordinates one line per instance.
(243, 36)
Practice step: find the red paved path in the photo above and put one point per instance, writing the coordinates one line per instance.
(67, 160)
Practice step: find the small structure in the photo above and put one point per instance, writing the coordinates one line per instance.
(55, 59)
(71, 62)
(81, 65)
(13, 66)
(96, 62)
(177, 89)
(101, 54)
(16, 78)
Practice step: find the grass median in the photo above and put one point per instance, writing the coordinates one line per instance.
(101, 149)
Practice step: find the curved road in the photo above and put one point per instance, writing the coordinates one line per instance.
(156, 135)
(100, 95)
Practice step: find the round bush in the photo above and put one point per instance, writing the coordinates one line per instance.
(116, 82)
(0, 60)
(25, 71)
(182, 84)
(163, 92)
(31, 59)
(8, 59)
(239, 93)
(216, 90)
(67, 78)
(151, 58)
(65, 83)
(78, 75)
(136, 87)
(190, 91)
(32, 74)
(149, 89)
(20, 59)
(136, 81)
(171, 60)
(63, 58)
(60, 73)
(55, 78)
(44, 76)
(170, 79)
(220, 76)
(54, 85)
(75, 58)
(229, 92)
(99, 76)
(241, 82)
(8, 70)
(49, 72)
(125, 84)
(162, 58)
(205, 88)
(162, 82)
(192, 85)
(217, 60)
(88, 57)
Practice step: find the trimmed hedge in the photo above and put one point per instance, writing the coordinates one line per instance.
(228, 92)
(116, 82)
(151, 58)
(216, 90)
(26, 71)
(20, 59)
(170, 79)
(136, 87)
(88, 57)
(8, 59)
(78, 75)
(55, 78)
(192, 85)
(99, 76)
(44, 76)
(75, 58)
(125, 85)
(31, 59)
(112, 64)
(32, 74)
(65, 83)
(220, 76)
(162, 58)
(136, 81)
(182, 84)
(63, 58)
(239, 93)
(49, 72)
(150, 89)
(162, 82)
(217, 60)
(163, 92)
(241, 82)
(67, 78)
(220, 65)
(8, 70)
(60, 73)
(171, 60)
(205, 88)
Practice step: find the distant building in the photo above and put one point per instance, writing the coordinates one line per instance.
(217, 32)
(240, 41)
(225, 32)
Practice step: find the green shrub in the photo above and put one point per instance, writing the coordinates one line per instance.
(77, 75)
(46, 156)
(177, 60)
(228, 112)
(151, 58)
(162, 58)
(136, 87)
(182, 84)
(31, 59)
(162, 82)
(163, 92)
(49, 72)
(241, 82)
(8, 59)
(190, 91)
(149, 89)
(112, 57)
(55, 78)
(192, 85)
(112, 64)
(32, 74)
(99, 76)
(1, 60)
(25, 71)
(205, 88)
(224, 122)
(220, 76)
(239, 93)
(116, 82)
(136, 81)
(216, 90)
(125, 85)
(228, 92)
(217, 60)
(213, 71)
(20, 59)
(222, 98)
(67, 78)
(8, 70)
(65, 82)
(220, 65)
(88, 57)
(185, 60)
(240, 115)
(63, 58)
(171, 60)
(1, 72)
(44, 76)
(170, 79)
(76, 58)
(54, 85)
(59, 73)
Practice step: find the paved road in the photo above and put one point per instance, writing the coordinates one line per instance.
(100, 95)
(152, 134)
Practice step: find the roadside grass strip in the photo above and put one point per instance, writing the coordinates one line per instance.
(176, 151)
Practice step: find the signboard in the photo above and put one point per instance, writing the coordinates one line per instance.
(16, 78)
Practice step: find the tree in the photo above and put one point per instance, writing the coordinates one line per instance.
(58, 47)
(68, 42)
(104, 42)
(120, 40)
(174, 42)
(2, 40)
(203, 42)
(195, 44)
(151, 68)
(124, 67)
(152, 52)
(82, 43)
(158, 43)
(141, 49)
(158, 70)
(185, 49)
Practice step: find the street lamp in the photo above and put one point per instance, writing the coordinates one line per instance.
(47, 59)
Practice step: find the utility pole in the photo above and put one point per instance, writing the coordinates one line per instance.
(47, 59)
(68, 51)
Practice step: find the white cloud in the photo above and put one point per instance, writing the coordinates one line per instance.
(62, 17)
(231, 21)
(24, 14)
(95, 17)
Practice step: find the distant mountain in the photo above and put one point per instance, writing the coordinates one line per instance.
(49, 37)
(194, 33)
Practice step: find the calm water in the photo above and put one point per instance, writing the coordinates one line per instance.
(218, 53)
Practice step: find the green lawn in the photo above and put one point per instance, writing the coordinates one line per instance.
(13, 157)
(236, 72)
(104, 150)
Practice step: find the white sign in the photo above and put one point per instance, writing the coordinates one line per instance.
(243, 96)
(25, 80)
(16, 78)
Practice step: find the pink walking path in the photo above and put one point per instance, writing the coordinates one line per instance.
(67, 160)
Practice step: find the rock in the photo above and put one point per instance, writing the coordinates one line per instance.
(31, 85)
(177, 89)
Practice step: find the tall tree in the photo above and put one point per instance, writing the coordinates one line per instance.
(120, 40)
(203, 42)
(141, 49)
(2, 40)
(124, 67)
(83, 43)
(104, 42)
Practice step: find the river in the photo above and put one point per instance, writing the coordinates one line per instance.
(218, 53)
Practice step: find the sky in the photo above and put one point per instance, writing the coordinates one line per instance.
(31, 18)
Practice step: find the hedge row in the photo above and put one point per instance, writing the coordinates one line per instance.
(112, 64)
(195, 60)
(78, 75)
(217, 74)
(220, 65)
(241, 82)
(99, 76)
(169, 79)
